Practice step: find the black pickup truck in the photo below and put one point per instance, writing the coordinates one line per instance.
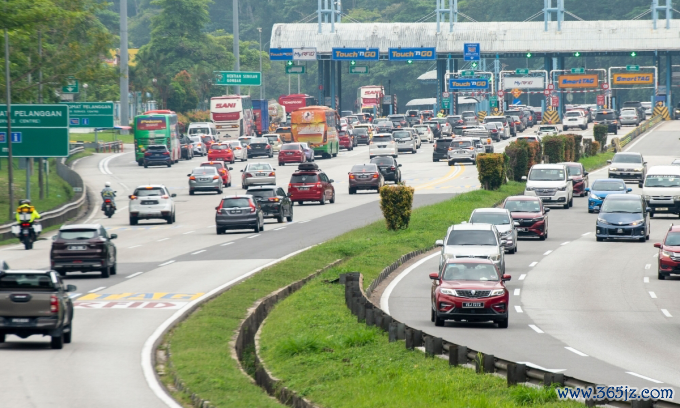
(35, 302)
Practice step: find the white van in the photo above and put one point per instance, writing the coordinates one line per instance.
(551, 183)
(202, 128)
(661, 189)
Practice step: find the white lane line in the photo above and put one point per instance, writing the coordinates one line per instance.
(547, 252)
(385, 298)
(536, 329)
(302, 222)
(134, 246)
(133, 275)
(188, 232)
(278, 229)
(74, 295)
(519, 309)
(573, 350)
(97, 289)
(253, 236)
(653, 295)
(585, 234)
(533, 264)
(643, 377)
(666, 313)
(210, 226)
(160, 240)
(124, 186)
(646, 279)
(198, 252)
(655, 255)
(167, 263)
(227, 243)
(522, 276)
(648, 266)
(564, 243)
(517, 292)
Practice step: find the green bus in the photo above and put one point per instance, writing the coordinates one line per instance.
(156, 127)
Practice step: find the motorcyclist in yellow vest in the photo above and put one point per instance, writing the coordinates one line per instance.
(440, 114)
(25, 207)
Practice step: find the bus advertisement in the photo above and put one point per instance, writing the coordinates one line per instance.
(317, 126)
(369, 98)
(233, 115)
(295, 101)
(156, 127)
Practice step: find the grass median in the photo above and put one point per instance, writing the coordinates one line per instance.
(102, 137)
(595, 162)
(200, 345)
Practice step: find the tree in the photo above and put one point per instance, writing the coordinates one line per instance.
(183, 96)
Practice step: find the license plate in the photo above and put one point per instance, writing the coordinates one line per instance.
(625, 174)
(235, 212)
(260, 174)
(303, 188)
(597, 207)
(382, 146)
(204, 179)
(523, 229)
(471, 304)
(149, 202)
(288, 154)
(661, 209)
(619, 231)
(19, 320)
(76, 247)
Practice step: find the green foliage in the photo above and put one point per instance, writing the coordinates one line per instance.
(518, 159)
(491, 170)
(183, 96)
(578, 147)
(600, 134)
(395, 203)
(569, 146)
(594, 162)
(594, 148)
(523, 395)
(553, 147)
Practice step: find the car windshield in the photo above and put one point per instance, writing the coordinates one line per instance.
(157, 148)
(385, 124)
(522, 206)
(304, 146)
(471, 237)
(605, 115)
(262, 193)
(234, 144)
(259, 166)
(273, 139)
(235, 202)
(573, 114)
(546, 175)
(290, 147)
(360, 131)
(432, 125)
(304, 178)
(245, 142)
(547, 129)
(207, 170)
(198, 130)
(621, 206)
(662, 181)
(382, 139)
(26, 281)
(219, 147)
(364, 168)
(608, 186)
(673, 239)
(195, 139)
(628, 113)
(461, 143)
(78, 234)
(574, 170)
(148, 192)
(401, 135)
(627, 158)
(490, 218)
(383, 161)
(470, 272)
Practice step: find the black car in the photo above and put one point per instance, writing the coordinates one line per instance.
(157, 155)
(361, 136)
(441, 148)
(385, 127)
(275, 203)
(435, 127)
(83, 248)
(389, 168)
(608, 118)
(259, 146)
(187, 148)
(239, 212)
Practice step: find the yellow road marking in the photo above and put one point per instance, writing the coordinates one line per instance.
(453, 174)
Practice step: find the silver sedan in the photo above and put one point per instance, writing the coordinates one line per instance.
(629, 117)
(258, 174)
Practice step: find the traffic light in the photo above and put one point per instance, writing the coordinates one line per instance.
(352, 63)
(577, 54)
(528, 55)
(409, 61)
(289, 63)
(474, 65)
(633, 54)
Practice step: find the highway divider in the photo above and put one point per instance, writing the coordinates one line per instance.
(619, 143)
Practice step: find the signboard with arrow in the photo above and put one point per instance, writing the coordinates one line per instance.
(73, 87)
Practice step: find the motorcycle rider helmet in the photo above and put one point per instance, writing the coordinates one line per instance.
(107, 184)
(26, 201)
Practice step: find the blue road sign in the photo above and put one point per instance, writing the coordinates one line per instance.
(456, 84)
(86, 121)
(74, 121)
(16, 137)
(516, 101)
(356, 54)
(471, 52)
(415, 54)
(281, 54)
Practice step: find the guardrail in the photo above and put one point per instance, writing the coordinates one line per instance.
(360, 305)
(65, 212)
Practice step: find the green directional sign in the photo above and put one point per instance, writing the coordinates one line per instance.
(238, 78)
(522, 71)
(467, 73)
(632, 67)
(578, 70)
(295, 69)
(493, 98)
(37, 131)
(90, 114)
(358, 69)
(446, 103)
(73, 87)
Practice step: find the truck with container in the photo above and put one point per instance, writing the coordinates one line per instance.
(369, 99)
(261, 116)
(294, 101)
(232, 115)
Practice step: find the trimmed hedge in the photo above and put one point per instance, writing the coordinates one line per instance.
(553, 147)
(578, 147)
(535, 153)
(594, 148)
(518, 159)
(569, 147)
(587, 147)
(600, 134)
(491, 169)
(396, 203)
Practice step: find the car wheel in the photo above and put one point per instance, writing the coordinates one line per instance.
(566, 206)
(323, 200)
(169, 164)
(114, 269)
(543, 237)
(565, 127)
(133, 221)
(352, 190)
(106, 272)
(432, 315)
(661, 276)
(651, 214)
(514, 250)
(219, 230)
(332, 200)
(438, 321)
(191, 192)
(300, 202)
(146, 166)
(590, 211)
(57, 342)
(599, 239)
(280, 217)
(257, 227)
(69, 334)
(503, 324)
(433, 159)
(571, 201)
(61, 273)
(290, 216)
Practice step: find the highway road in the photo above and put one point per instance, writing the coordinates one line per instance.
(592, 310)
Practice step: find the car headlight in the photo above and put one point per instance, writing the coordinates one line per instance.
(638, 222)
(495, 258)
(450, 292)
(497, 292)
(506, 233)
(563, 188)
(613, 169)
(537, 219)
(529, 188)
(676, 198)
(594, 197)
(666, 254)
(647, 197)
(602, 220)
(637, 169)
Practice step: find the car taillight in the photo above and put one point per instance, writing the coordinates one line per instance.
(133, 197)
(223, 171)
(147, 154)
(275, 199)
(289, 186)
(54, 304)
(376, 175)
(166, 153)
(248, 147)
(392, 168)
(318, 185)
(165, 197)
(450, 148)
(192, 178)
(252, 207)
(228, 150)
(268, 146)
(272, 174)
(107, 201)
(216, 177)
(248, 175)
(351, 176)
(219, 207)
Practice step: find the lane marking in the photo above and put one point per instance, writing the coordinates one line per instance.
(134, 246)
(522, 276)
(97, 289)
(253, 236)
(210, 226)
(653, 295)
(302, 222)
(573, 350)
(454, 173)
(538, 367)
(643, 377)
(655, 255)
(666, 313)
(279, 229)
(517, 292)
(585, 234)
(564, 243)
(167, 263)
(536, 329)
(385, 298)
(74, 295)
(133, 275)
(533, 264)
(227, 243)
(648, 266)
(198, 252)
(547, 252)
(519, 309)
(188, 232)
(646, 279)
(160, 240)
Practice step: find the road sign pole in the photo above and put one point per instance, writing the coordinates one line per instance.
(96, 141)
(28, 178)
(236, 51)
(10, 175)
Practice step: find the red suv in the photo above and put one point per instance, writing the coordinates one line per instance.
(346, 140)
(309, 183)
(530, 214)
(669, 253)
(221, 152)
(291, 153)
(579, 177)
(470, 289)
(222, 170)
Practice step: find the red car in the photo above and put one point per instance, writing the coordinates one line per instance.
(531, 215)
(309, 183)
(579, 176)
(291, 153)
(346, 141)
(221, 152)
(470, 289)
(669, 253)
(222, 170)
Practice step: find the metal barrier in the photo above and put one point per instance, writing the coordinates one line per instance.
(644, 127)
(109, 147)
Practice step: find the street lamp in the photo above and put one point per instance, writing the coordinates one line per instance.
(155, 81)
(85, 92)
(259, 29)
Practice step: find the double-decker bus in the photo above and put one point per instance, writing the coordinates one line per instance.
(156, 127)
(318, 127)
(233, 115)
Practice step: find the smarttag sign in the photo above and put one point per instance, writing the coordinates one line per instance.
(281, 54)
(633, 79)
(358, 54)
(456, 84)
(577, 81)
(37, 130)
(415, 54)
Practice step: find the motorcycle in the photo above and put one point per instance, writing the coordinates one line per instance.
(27, 231)
(109, 209)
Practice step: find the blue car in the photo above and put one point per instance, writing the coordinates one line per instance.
(623, 216)
(601, 188)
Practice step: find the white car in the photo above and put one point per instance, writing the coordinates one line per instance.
(661, 189)
(383, 144)
(415, 135)
(574, 119)
(240, 151)
(425, 133)
(547, 130)
(198, 146)
(529, 138)
(551, 183)
(275, 141)
(151, 201)
(405, 141)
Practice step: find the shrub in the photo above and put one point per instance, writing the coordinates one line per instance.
(517, 153)
(396, 203)
(490, 169)
(553, 147)
(587, 147)
(594, 148)
(535, 153)
(600, 134)
(578, 147)
(569, 145)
